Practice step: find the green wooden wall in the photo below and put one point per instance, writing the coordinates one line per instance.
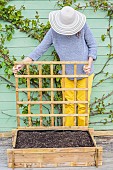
(21, 44)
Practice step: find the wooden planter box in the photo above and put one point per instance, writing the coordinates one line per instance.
(54, 157)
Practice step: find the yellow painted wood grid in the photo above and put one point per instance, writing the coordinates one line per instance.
(51, 102)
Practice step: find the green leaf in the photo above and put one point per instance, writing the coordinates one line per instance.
(107, 74)
(5, 51)
(0, 27)
(3, 64)
(103, 36)
(22, 57)
(9, 37)
(106, 121)
(109, 116)
(57, 79)
(8, 86)
(101, 81)
(10, 71)
(109, 45)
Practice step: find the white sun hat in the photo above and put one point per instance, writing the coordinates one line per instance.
(67, 21)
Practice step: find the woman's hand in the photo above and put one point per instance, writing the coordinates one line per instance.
(87, 69)
(17, 68)
(21, 66)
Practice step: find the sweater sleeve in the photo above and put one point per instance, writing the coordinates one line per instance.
(91, 43)
(42, 47)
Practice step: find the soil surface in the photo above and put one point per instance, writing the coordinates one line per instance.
(53, 139)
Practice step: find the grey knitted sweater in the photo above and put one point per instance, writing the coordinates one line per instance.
(69, 48)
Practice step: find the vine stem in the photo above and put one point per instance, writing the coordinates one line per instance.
(91, 123)
(110, 53)
(102, 81)
(12, 85)
(93, 113)
(103, 98)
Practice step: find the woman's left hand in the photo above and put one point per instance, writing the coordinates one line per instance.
(87, 69)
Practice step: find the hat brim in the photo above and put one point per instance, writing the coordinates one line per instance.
(70, 29)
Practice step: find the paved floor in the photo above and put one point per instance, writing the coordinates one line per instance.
(106, 142)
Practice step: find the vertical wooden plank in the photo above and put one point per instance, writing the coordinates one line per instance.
(17, 105)
(52, 96)
(28, 97)
(13, 160)
(97, 156)
(63, 92)
(14, 137)
(86, 93)
(75, 72)
(40, 93)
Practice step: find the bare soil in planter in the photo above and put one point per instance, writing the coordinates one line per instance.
(53, 139)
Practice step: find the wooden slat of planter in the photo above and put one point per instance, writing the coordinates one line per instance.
(49, 102)
(50, 115)
(103, 133)
(83, 128)
(55, 150)
(28, 96)
(50, 62)
(50, 89)
(14, 137)
(13, 160)
(63, 93)
(51, 157)
(43, 165)
(52, 96)
(75, 97)
(40, 93)
(97, 157)
(47, 157)
(17, 106)
(5, 135)
(47, 165)
(92, 138)
(50, 76)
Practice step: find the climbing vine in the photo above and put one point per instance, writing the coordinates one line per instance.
(36, 30)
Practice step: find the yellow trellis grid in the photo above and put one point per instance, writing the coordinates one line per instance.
(52, 89)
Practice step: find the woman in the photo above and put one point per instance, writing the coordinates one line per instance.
(73, 41)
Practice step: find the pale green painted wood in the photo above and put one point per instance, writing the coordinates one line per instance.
(45, 14)
(26, 50)
(7, 106)
(40, 4)
(107, 68)
(96, 32)
(102, 76)
(34, 5)
(103, 23)
(22, 45)
(26, 42)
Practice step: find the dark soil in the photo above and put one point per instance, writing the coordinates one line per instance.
(53, 139)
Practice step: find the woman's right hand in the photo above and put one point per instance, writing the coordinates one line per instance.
(17, 68)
